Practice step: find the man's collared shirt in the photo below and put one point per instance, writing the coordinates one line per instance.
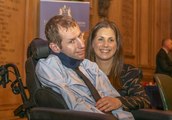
(52, 73)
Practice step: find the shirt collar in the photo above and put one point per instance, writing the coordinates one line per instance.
(68, 61)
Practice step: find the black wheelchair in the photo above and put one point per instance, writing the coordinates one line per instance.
(45, 104)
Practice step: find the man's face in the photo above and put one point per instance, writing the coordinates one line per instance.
(169, 44)
(73, 44)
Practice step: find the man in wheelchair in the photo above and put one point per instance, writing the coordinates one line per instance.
(59, 71)
(63, 86)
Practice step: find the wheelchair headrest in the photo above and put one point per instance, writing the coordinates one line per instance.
(38, 48)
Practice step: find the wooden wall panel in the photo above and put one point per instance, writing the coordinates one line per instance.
(143, 24)
(18, 25)
(32, 15)
(127, 21)
(144, 33)
(165, 17)
(12, 21)
(12, 25)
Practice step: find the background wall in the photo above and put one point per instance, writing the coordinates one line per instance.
(143, 24)
(18, 26)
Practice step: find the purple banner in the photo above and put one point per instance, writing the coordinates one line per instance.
(80, 11)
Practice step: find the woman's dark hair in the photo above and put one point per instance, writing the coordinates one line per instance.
(117, 65)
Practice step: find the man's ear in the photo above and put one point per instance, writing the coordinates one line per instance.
(54, 47)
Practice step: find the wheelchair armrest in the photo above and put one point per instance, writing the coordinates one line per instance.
(44, 113)
(152, 114)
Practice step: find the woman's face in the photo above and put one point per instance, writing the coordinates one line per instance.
(104, 44)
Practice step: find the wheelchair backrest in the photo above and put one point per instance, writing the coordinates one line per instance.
(40, 96)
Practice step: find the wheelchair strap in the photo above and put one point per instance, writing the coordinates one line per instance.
(92, 89)
(90, 86)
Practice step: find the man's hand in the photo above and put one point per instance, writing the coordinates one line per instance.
(107, 104)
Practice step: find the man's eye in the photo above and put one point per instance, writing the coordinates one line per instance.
(72, 41)
(81, 36)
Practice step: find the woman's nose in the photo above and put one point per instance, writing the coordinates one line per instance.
(106, 43)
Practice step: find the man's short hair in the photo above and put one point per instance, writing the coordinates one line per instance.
(53, 25)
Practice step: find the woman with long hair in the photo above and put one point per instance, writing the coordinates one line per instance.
(104, 46)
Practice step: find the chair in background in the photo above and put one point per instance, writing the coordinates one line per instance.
(164, 83)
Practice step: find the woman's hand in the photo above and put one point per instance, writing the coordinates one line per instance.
(107, 104)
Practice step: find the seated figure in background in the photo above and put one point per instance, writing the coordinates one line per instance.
(163, 60)
(58, 70)
(105, 48)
